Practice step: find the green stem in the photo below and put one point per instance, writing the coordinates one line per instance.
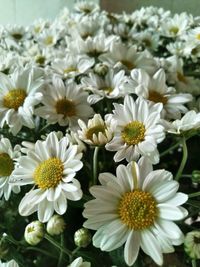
(184, 159)
(170, 149)
(42, 251)
(61, 252)
(56, 244)
(95, 163)
(196, 194)
(194, 264)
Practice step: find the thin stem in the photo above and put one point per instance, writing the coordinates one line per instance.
(184, 159)
(170, 149)
(95, 163)
(194, 263)
(56, 244)
(42, 251)
(196, 194)
(61, 252)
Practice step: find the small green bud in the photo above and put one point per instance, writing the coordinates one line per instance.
(196, 176)
(56, 225)
(4, 248)
(34, 233)
(192, 244)
(82, 237)
(101, 69)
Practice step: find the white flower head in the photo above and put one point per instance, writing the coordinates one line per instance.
(190, 121)
(18, 96)
(51, 168)
(64, 104)
(96, 132)
(155, 90)
(137, 208)
(78, 262)
(8, 156)
(137, 130)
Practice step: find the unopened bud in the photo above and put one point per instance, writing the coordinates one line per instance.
(4, 247)
(101, 69)
(192, 244)
(34, 233)
(82, 237)
(56, 225)
(196, 176)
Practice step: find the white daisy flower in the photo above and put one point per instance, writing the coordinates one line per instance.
(137, 208)
(128, 58)
(109, 86)
(86, 7)
(96, 132)
(8, 157)
(155, 90)
(137, 130)
(190, 121)
(11, 263)
(78, 262)
(64, 104)
(51, 167)
(71, 65)
(18, 96)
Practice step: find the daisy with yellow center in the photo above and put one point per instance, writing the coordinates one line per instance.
(18, 96)
(64, 104)
(96, 132)
(51, 166)
(155, 90)
(8, 155)
(137, 130)
(137, 208)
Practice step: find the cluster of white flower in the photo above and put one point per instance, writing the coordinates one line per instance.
(121, 85)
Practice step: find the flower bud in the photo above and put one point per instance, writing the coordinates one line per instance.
(192, 244)
(82, 237)
(34, 233)
(4, 247)
(56, 225)
(196, 176)
(101, 69)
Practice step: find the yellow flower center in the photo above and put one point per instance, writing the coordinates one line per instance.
(95, 130)
(49, 173)
(198, 36)
(128, 64)
(14, 99)
(147, 42)
(40, 60)
(48, 40)
(181, 77)
(137, 209)
(70, 69)
(108, 90)
(174, 30)
(157, 97)
(133, 133)
(6, 165)
(66, 107)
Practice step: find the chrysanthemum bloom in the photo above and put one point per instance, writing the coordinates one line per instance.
(138, 130)
(51, 167)
(96, 132)
(8, 155)
(78, 262)
(18, 96)
(137, 208)
(155, 90)
(190, 121)
(64, 104)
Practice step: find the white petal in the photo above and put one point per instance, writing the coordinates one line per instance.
(45, 210)
(131, 248)
(151, 247)
(60, 205)
(169, 212)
